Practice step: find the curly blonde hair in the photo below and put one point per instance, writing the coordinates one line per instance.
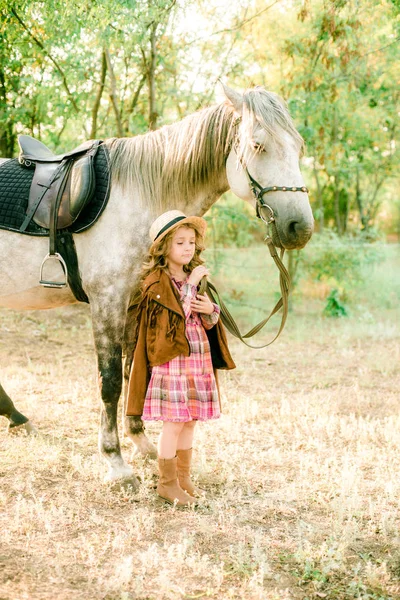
(157, 257)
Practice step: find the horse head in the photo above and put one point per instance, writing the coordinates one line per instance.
(264, 161)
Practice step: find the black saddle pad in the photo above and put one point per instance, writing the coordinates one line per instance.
(15, 183)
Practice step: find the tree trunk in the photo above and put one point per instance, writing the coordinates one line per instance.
(359, 201)
(337, 206)
(345, 212)
(7, 136)
(133, 103)
(113, 94)
(320, 200)
(7, 141)
(96, 106)
(398, 224)
(374, 204)
(151, 79)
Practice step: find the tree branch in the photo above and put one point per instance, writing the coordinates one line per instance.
(381, 48)
(239, 26)
(55, 63)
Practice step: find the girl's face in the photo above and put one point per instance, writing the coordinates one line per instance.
(183, 247)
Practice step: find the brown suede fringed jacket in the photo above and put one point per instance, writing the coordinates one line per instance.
(160, 337)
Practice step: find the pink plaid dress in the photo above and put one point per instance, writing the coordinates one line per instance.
(184, 388)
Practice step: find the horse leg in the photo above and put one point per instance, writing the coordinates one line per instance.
(107, 330)
(133, 426)
(16, 420)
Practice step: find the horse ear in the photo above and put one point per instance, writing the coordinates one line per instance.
(234, 98)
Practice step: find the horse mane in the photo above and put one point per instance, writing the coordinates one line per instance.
(269, 111)
(179, 160)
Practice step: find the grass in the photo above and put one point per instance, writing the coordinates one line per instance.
(302, 470)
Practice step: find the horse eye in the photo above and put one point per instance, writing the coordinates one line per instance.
(258, 147)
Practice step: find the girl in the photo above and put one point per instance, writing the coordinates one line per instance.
(179, 344)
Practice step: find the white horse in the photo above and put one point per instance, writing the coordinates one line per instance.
(185, 166)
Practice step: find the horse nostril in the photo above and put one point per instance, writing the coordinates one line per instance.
(292, 227)
(293, 234)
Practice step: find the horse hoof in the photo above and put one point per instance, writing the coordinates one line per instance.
(150, 453)
(25, 428)
(31, 429)
(130, 485)
(122, 478)
(144, 447)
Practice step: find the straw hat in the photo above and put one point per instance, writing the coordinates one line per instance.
(171, 220)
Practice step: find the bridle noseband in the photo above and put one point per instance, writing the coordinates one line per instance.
(259, 192)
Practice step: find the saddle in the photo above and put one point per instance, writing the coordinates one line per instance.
(61, 187)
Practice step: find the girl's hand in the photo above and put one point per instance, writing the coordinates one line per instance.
(202, 305)
(197, 274)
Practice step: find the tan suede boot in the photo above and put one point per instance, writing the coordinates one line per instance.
(168, 487)
(183, 466)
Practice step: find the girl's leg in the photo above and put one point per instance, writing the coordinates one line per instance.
(185, 440)
(168, 440)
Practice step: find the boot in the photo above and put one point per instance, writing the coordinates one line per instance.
(168, 487)
(183, 466)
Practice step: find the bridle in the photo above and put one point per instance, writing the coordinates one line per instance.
(259, 192)
(284, 277)
(257, 189)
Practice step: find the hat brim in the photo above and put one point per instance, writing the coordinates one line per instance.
(198, 222)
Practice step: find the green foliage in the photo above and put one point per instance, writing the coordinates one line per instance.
(70, 71)
(342, 91)
(338, 260)
(334, 306)
(232, 223)
(311, 573)
(248, 281)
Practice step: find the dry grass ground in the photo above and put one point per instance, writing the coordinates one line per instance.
(302, 473)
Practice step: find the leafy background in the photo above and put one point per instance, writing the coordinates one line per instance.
(99, 68)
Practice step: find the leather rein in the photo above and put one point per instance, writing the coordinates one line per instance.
(284, 277)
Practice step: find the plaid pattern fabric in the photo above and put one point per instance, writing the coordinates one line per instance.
(184, 388)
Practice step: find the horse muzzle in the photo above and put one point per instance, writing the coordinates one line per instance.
(292, 234)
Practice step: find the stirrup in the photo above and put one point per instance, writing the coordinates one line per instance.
(54, 284)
